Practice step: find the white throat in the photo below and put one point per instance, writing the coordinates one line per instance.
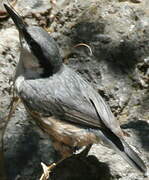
(28, 66)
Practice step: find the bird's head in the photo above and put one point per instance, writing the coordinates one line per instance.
(39, 52)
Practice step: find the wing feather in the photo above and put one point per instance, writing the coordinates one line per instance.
(71, 98)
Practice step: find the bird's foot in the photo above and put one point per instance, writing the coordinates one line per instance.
(46, 171)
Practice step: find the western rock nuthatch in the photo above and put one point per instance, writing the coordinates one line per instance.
(62, 103)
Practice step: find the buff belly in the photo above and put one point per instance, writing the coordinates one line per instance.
(65, 136)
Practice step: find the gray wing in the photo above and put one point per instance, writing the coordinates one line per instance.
(83, 105)
(72, 99)
(78, 110)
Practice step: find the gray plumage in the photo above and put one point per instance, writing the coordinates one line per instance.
(67, 96)
(59, 92)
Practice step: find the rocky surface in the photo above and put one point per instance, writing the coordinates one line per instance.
(118, 34)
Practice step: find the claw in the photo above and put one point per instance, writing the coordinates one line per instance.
(46, 171)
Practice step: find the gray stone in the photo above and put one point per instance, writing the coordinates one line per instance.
(118, 34)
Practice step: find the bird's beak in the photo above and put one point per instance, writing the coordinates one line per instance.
(21, 26)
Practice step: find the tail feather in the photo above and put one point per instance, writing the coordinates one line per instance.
(123, 149)
(133, 158)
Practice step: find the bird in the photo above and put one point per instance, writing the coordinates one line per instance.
(62, 103)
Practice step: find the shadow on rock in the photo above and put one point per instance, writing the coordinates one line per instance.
(88, 32)
(79, 168)
(25, 149)
(121, 53)
(142, 130)
(145, 105)
(22, 150)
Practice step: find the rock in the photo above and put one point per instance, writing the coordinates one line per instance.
(118, 34)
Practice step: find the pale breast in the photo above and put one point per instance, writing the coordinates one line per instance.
(64, 132)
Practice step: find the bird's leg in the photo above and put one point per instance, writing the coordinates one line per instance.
(65, 151)
(48, 169)
(85, 151)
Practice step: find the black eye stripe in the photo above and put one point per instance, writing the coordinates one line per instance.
(37, 51)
